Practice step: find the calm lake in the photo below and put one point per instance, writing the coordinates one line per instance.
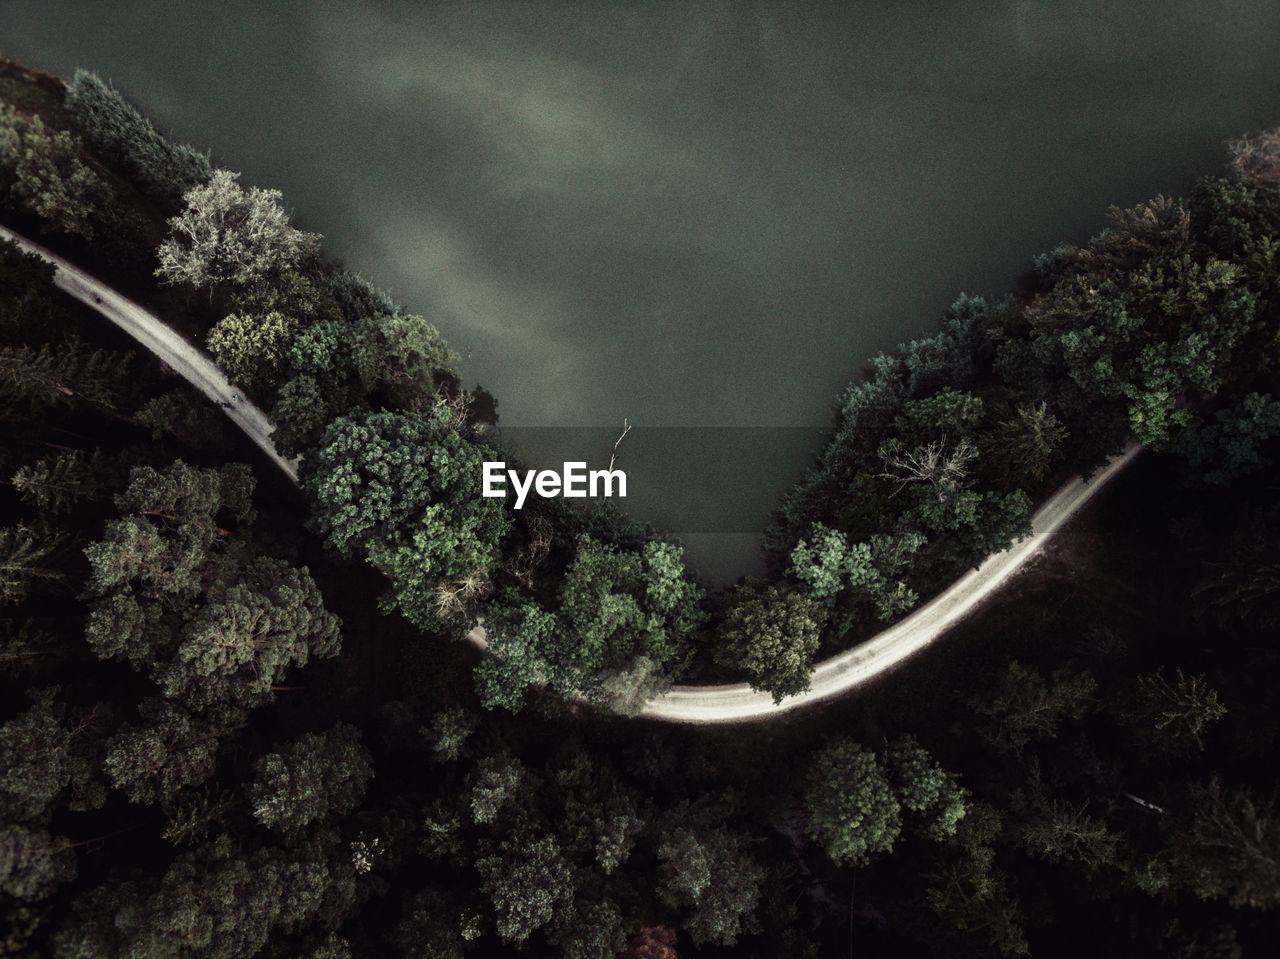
(702, 217)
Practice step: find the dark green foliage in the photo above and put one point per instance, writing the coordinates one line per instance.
(772, 635)
(49, 755)
(1236, 443)
(527, 880)
(60, 374)
(708, 873)
(357, 297)
(124, 136)
(216, 902)
(48, 175)
(33, 863)
(1023, 447)
(56, 483)
(925, 789)
(29, 562)
(403, 492)
(318, 777)
(853, 813)
(1023, 707)
(182, 597)
(184, 416)
(170, 749)
(970, 892)
(624, 619)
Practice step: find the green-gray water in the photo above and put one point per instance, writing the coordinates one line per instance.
(695, 215)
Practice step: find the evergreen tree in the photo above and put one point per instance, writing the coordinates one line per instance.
(1173, 714)
(1227, 846)
(122, 134)
(319, 776)
(33, 863)
(58, 375)
(29, 560)
(56, 483)
(49, 173)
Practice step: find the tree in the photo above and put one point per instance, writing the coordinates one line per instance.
(495, 784)
(970, 892)
(187, 418)
(617, 609)
(49, 175)
(521, 636)
(48, 756)
(862, 576)
(1236, 443)
(428, 926)
(170, 749)
(590, 929)
(403, 491)
(1174, 714)
(708, 872)
(33, 863)
(28, 561)
(1058, 831)
(214, 902)
(1257, 158)
(1022, 449)
(527, 880)
(317, 777)
(52, 376)
(772, 634)
(227, 235)
(449, 731)
(178, 590)
(252, 350)
(923, 787)
(853, 813)
(122, 134)
(401, 357)
(56, 483)
(1227, 846)
(1023, 707)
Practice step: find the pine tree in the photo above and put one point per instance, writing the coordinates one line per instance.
(56, 483)
(1174, 715)
(23, 646)
(53, 376)
(317, 777)
(28, 561)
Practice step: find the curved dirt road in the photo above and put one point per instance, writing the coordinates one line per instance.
(832, 677)
(185, 360)
(729, 703)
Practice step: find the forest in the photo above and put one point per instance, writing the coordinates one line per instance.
(238, 721)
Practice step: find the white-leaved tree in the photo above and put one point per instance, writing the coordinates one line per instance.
(228, 235)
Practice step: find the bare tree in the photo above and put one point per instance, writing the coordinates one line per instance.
(1257, 158)
(933, 463)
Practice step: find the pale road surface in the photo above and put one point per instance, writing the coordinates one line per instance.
(729, 703)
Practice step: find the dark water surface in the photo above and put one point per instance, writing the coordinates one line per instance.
(694, 215)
